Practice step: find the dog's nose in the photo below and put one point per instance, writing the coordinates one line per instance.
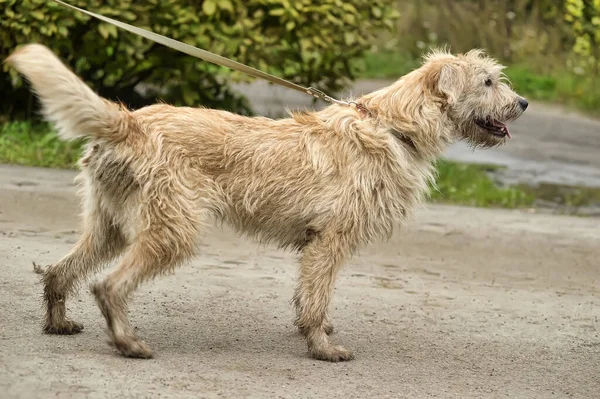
(523, 103)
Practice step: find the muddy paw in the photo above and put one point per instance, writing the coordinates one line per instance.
(64, 328)
(131, 347)
(331, 354)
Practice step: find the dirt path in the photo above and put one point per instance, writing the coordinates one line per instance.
(464, 303)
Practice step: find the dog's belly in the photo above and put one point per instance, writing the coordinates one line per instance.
(284, 227)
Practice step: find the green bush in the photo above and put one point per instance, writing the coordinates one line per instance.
(307, 41)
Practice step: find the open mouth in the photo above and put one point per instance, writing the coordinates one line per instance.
(493, 126)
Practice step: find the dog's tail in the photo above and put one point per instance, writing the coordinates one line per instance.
(66, 100)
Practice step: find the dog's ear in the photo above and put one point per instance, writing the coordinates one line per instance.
(450, 82)
(443, 79)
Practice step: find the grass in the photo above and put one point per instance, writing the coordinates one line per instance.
(560, 87)
(22, 143)
(470, 184)
(37, 145)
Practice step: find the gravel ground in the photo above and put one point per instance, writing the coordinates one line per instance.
(463, 303)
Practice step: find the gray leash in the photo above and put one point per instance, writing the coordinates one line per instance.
(211, 57)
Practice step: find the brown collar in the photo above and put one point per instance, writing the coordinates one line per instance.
(362, 109)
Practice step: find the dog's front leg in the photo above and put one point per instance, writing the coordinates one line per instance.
(321, 260)
(327, 324)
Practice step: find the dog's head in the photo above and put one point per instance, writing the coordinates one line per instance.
(475, 96)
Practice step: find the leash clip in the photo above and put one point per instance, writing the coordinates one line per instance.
(360, 108)
(316, 93)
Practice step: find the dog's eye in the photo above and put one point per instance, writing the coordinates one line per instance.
(488, 82)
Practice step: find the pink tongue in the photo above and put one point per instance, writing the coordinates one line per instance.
(502, 126)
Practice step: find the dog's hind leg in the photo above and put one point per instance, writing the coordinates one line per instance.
(158, 249)
(101, 242)
(321, 260)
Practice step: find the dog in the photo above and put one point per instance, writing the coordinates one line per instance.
(324, 183)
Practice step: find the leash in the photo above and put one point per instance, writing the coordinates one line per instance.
(216, 59)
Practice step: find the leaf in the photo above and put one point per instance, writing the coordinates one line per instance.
(62, 30)
(37, 15)
(209, 7)
(226, 5)
(113, 31)
(103, 30)
(277, 12)
(350, 19)
(190, 96)
(349, 38)
(128, 15)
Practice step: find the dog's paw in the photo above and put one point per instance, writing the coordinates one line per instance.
(66, 327)
(132, 347)
(331, 354)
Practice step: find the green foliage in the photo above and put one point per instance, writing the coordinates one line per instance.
(551, 48)
(309, 42)
(510, 29)
(584, 18)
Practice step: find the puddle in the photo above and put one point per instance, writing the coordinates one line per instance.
(564, 188)
(518, 171)
(564, 199)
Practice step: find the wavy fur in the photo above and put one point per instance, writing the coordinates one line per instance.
(324, 183)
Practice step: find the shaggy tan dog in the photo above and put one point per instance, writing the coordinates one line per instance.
(324, 183)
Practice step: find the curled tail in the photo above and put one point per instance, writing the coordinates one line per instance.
(67, 102)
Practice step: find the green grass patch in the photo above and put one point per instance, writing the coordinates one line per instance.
(563, 87)
(22, 143)
(581, 92)
(471, 185)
